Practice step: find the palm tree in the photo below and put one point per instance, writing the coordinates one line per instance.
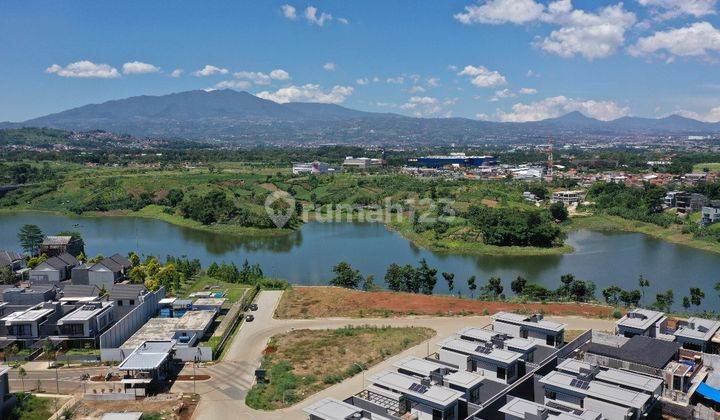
(472, 286)
(643, 283)
(22, 373)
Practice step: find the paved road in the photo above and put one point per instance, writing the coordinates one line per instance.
(225, 394)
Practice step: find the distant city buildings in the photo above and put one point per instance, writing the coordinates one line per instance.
(311, 168)
(362, 162)
(458, 160)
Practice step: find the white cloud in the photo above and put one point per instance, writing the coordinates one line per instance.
(376, 79)
(260, 78)
(502, 94)
(560, 105)
(308, 93)
(343, 21)
(697, 40)
(311, 15)
(416, 89)
(712, 115)
(396, 80)
(452, 67)
(289, 11)
(482, 117)
(428, 106)
(363, 81)
(433, 82)
(482, 77)
(233, 84)
(138, 67)
(501, 11)
(279, 74)
(209, 70)
(591, 35)
(176, 73)
(84, 69)
(531, 73)
(330, 66)
(667, 9)
(416, 101)
(527, 91)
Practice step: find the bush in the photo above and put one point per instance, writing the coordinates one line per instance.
(332, 379)
(617, 314)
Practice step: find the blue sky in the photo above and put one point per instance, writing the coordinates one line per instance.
(507, 60)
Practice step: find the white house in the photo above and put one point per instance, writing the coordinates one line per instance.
(533, 327)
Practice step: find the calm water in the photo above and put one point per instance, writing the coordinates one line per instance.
(307, 256)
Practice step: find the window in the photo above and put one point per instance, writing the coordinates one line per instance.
(120, 302)
(550, 340)
(501, 373)
(511, 371)
(437, 414)
(551, 395)
(132, 302)
(523, 333)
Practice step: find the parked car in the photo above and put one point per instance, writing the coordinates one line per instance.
(249, 317)
(253, 307)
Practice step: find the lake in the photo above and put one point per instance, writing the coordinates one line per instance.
(307, 256)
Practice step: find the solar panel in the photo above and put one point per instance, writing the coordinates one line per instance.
(423, 389)
(578, 383)
(414, 387)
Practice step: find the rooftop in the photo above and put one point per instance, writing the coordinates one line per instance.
(698, 329)
(155, 329)
(419, 366)
(126, 291)
(480, 351)
(533, 321)
(56, 240)
(639, 349)
(209, 302)
(596, 389)
(640, 319)
(518, 407)
(409, 385)
(485, 335)
(467, 380)
(80, 290)
(332, 409)
(194, 321)
(615, 376)
(86, 312)
(147, 356)
(29, 315)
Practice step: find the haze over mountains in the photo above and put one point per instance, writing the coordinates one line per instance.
(240, 116)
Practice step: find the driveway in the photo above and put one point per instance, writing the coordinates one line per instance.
(224, 394)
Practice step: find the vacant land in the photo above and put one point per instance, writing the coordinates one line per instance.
(323, 302)
(30, 407)
(302, 362)
(169, 406)
(233, 291)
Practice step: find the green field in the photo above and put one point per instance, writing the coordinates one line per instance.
(710, 167)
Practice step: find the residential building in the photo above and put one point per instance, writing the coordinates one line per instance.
(698, 334)
(362, 162)
(126, 297)
(24, 297)
(332, 409)
(7, 399)
(104, 273)
(710, 214)
(79, 274)
(87, 322)
(647, 384)
(527, 195)
(15, 261)
(614, 402)
(641, 321)
(639, 353)
(208, 304)
(29, 325)
(523, 346)
(407, 394)
(54, 269)
(521, 409)
(311, 168)
(491, 362)
(79, 293)
(55, 245)
(690, 202)
(147, 365)
(567, 197)
(533, 327)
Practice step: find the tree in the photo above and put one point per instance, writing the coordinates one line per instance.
(427, 277)
(582, 291)
(175, 196)
(169, 277)
(394, 278)
(643, 283)
(346, 276)
(696, 296)
(76, 246)
(369, 283)
(450, 279)
(493, 288)
(134, 259)
(30, 237)
(472, 286)
(22, 373)
(686, 302)
(7, 276)
(518, 285)
(664, 301)
(630, 298)
(103, 292)
(611, 295)
(81, 258)
(558, 211)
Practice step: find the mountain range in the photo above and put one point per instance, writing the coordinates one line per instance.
(230, 115)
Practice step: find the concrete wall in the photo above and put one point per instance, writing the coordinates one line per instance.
(101, 278)
(609, 411)
(457, 359)
(130, 323)
(505, 328)
(188, 354)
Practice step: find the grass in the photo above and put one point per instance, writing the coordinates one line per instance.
(83, 352)
(710, 166)
(233, 291)
(672, 234)
(302, 362)
(30, 407)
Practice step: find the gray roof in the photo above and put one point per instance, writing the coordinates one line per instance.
(535, 321)
(120, 260)
(8, 257)
(640, 319)
(332, 409)
(520, 408)
(69, 259)
(126, 291)
(109, 264)
(596, 389)
(56, 263)
(639, 349)
(56, 240)
(698, 329)
(435, 394)
(147, 356)
(80, 290)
